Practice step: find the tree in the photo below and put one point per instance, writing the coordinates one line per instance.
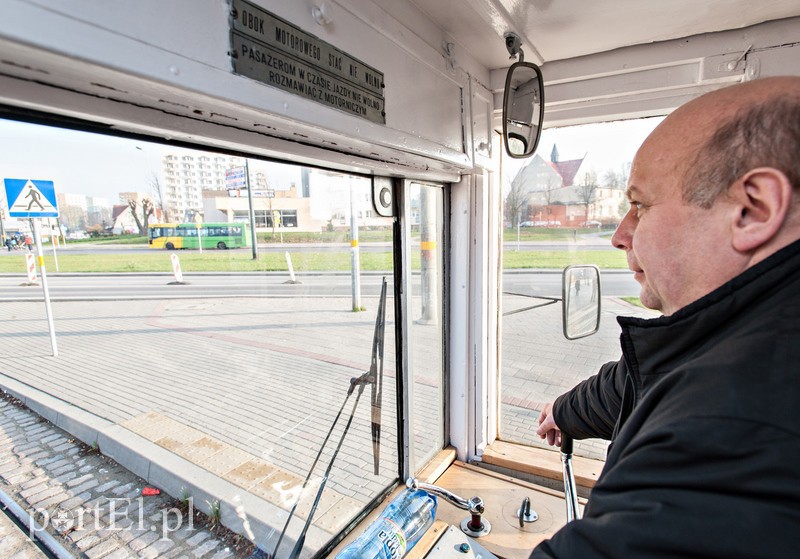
(612, 179)
(586, 190)
(158, 197)
(516, 202)
(147, 210)
(617, 179)
(550, 187)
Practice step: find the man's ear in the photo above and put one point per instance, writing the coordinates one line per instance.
(762, 198)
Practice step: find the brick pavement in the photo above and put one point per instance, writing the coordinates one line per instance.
(220, 367)
(91, 505)
(538, 366)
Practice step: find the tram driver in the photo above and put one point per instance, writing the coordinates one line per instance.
(703, 408)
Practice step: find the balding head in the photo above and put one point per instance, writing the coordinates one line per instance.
(733, 130)
(714, 191)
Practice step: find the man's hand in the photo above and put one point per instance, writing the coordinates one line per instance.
(547, 426)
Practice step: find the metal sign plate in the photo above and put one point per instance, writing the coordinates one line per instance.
(234, 178)
(31, 198)
(271, 50)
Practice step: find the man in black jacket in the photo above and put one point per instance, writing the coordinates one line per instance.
(703, 408)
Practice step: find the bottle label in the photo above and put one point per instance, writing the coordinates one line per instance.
(391, 536)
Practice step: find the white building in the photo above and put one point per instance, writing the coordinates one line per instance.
(78, 211)
(185, 178)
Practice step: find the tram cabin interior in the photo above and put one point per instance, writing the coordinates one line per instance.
(402, 103)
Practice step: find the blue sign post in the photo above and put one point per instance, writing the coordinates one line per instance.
(31, 198)
(35, 199)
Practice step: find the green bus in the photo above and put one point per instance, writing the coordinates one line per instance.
(222, 236)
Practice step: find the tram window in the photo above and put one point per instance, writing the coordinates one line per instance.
(240, 372)
(427, 330)
(570, 197)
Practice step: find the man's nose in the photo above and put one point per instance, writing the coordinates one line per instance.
(623, 236)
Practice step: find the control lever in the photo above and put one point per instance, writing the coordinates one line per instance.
(570, 495)
(526, 513)
(474, 526)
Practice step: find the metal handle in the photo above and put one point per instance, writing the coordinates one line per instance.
(474, 526)
(474, 505)
(566, 444)
(570, 495)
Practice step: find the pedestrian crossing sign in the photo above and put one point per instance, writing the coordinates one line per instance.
(31, 198)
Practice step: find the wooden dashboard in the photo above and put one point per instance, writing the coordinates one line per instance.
(502, 495)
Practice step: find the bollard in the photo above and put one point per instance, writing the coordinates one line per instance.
(176, 270)
(291, 269)
(30, 266)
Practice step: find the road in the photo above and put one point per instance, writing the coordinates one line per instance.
(588, 242)
(271, 284)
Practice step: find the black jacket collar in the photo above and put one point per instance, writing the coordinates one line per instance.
(656, 345)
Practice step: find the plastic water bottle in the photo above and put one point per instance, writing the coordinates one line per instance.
(397, 529)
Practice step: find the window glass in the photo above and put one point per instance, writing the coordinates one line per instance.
(426, 307)
(241, 367)
(561, 207)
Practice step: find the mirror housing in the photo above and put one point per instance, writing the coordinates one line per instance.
(580, 301)
(523, 109)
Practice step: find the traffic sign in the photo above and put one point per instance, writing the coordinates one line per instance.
(235, 178)
(31, 198)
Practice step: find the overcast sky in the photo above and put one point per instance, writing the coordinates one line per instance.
(95, 164)
(104, 166)
(606, 145)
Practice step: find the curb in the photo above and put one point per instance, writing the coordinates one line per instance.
(242, 512)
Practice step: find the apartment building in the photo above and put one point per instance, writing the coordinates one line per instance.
(185, 178)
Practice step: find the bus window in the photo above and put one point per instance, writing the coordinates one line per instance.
(561, 207)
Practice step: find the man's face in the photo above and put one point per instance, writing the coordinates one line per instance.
(676, 250)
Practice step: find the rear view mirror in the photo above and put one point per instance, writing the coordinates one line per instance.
(523, 109)
(581, 301)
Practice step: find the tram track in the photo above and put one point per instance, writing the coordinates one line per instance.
(22, 537)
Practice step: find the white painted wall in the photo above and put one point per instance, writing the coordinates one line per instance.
(163, 68)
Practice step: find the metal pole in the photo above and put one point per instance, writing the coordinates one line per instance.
(53, 240)
(253, 236)
(198, 223)
(355, 261)
(428, 249)
(40, 254)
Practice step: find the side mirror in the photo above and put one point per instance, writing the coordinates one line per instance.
(523, 109)
(580, 301)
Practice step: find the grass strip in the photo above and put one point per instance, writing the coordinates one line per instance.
(319, 261)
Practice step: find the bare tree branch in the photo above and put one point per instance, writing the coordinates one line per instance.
(132, 205)
(586, 191)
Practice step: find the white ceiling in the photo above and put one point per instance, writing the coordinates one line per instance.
(559, 29)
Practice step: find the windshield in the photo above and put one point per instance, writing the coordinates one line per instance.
(561, 207)
(173, 325)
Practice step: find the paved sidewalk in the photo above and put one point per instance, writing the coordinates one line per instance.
(230, 399)
(90, 504)
(538, 366)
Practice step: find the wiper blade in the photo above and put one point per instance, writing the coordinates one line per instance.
(376, 370)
